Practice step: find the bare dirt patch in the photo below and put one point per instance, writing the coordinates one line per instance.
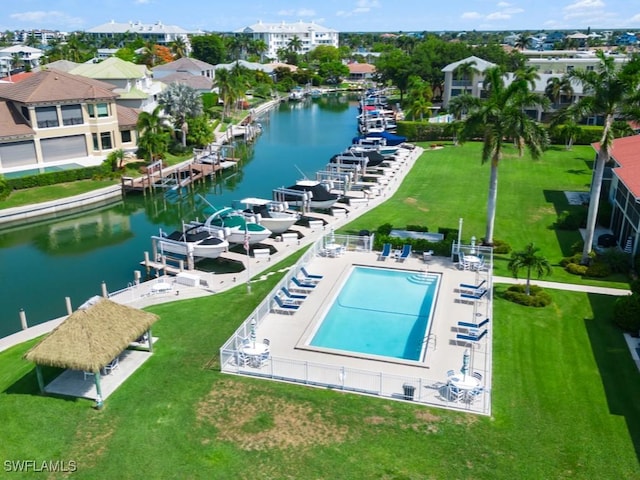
(255, 420)
(414, 203)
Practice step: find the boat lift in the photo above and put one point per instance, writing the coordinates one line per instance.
(280, 194)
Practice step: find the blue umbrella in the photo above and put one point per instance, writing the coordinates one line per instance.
(465, 362)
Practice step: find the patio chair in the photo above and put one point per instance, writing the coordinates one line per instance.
(473, 287)
(455, 394)
(281, 307)
(299, 297)
(476, 295)
(477, 375)
(406, 251)
(302, 286)
(472, 338)
(266, 341)
(472, 395)
(310, 275)
(451, 373)
(474, 325)
(386, 251)
(111, 366)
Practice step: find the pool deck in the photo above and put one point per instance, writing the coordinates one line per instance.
(289, 334)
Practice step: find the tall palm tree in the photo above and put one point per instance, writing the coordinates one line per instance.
(557, 87)
(531, 261)
(499, 117)
(610, 92)
(295, 44)
(178, 48)
(466, 71)
(521, 41)
(152, 132)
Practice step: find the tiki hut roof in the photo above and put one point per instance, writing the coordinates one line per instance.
(91, 336)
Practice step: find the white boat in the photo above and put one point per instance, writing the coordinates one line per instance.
(321, 197)
(297, 94)
(235, 227)
(271, 214)
(192, 241)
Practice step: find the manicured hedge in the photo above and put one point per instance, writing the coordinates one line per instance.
(52, 178)
(537, 297)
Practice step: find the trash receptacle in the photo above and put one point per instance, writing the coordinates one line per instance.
(409, 391)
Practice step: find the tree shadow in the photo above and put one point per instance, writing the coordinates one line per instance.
(618, 372)
(566, 238)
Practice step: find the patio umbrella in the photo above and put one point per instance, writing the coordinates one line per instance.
(252, 332)
(465, 362)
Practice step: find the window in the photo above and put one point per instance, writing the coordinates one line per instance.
(105, 140)
(126, 136)
(96, 145)
(47, 117)
(72, 115)
(99, 110)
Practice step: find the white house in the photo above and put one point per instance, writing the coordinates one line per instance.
(27, 56)
(278, 35)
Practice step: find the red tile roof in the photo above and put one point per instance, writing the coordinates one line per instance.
(361, 68)
(18, 77)
(626, 152)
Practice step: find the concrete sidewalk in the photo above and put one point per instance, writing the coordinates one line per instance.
(566, 286)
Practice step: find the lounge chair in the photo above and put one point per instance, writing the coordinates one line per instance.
(310, 275)
(282, 307)
(472, 338)
(406, 251)
(477, 295)
(386, 251)
(302, 285)
(473, 287)
(296, 297)
(474, 325)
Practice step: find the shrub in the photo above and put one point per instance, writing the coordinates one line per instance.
(538, 297)
(617, 260)
(576, 269)
(575, 258)
(626, 313)
(5, 190)
(635, 287)
(500, 246)
(385, 229)
(598, 270)
(52, 178)
(416, 228)
(577, 247)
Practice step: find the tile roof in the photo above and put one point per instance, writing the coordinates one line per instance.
(127, 117)
(63, 65)
(198, 82)
(626, 152)
(361, 68)
(56, 86)
(11, 122)
(184, 63)
(113, 68)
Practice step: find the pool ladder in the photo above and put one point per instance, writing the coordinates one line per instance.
(431, 341)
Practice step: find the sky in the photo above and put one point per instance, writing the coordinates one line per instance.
(340, 15)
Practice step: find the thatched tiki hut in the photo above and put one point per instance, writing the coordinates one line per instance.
(91, 338)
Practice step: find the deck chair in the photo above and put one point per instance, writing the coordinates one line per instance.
(476, 295)
(386, 251)
(286, 308)
(310, 275)
(468, 286)
(302, 285)
(474, 325)
(111, 366)
(296, 297)
(471, 338)
(406, 251)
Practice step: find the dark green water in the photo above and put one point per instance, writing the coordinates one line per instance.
(42, 264)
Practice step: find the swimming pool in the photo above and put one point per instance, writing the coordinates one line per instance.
(383, 312)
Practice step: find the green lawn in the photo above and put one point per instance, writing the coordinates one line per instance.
(564, 386)
(451, 183)
(564, 407)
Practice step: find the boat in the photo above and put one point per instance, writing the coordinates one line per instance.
(365, 158)
(192, 241)
(297, 94)
(321, 197)
(235, 227)
(391, 139)
(271, 214)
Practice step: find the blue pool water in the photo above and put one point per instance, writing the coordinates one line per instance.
(380, 312)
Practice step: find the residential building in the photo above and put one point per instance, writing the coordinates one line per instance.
(134, 83)
(158, 32)
(188, 71)
(53, 118)
(624, 192)
(277, 36)
(361, 72)
(42, 37)
(19, 58)
(458, 79)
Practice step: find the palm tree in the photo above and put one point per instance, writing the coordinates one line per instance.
(557, 87)
(610, 92)
(466, 71)
(521, 41)
(179, 48)
(181, 101)
(569, 132)
(152, 133)
(295, 44)
(531, 261)
(226, 89)
(499, 117)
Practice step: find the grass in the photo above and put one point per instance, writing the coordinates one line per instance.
(451, 183)
(564, 386)
(564, 407)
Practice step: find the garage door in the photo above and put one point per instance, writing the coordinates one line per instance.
(17, 154)
(64, 148)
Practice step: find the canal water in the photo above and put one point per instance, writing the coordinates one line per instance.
(43, 263)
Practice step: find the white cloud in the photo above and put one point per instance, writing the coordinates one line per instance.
(49, 18)
(141, 2)
(498, 16)
(503, 5)
(362, 6)
(302, 12)
(635, 18)
(584, 5)
(471, 15)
